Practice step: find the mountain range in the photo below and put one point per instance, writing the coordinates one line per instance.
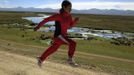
(88, 11)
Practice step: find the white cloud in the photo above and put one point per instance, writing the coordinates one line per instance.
(80, 5)
(105, 5)
(4, 3)
(54, 6)
(99, 5)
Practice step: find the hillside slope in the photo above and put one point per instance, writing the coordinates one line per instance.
(14, 64)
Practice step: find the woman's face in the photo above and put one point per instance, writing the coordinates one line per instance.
(68, 8)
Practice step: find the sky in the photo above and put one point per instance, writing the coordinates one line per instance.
(76, 4)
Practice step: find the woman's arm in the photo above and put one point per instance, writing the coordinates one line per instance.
(73, 22)
(54, 17)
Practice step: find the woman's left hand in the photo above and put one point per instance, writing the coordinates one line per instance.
(76, 19)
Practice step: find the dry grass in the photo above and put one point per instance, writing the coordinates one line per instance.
(13, 64)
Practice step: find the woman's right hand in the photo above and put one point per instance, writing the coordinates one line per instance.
(36, 28)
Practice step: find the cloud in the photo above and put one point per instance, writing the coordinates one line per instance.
(126, 6)
(3, 3)
(54, 6)
(104, 5)
(98, 5)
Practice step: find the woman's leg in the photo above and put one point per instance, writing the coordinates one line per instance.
(70, 43)
(51, 49)
(72, 46)
(71, 51)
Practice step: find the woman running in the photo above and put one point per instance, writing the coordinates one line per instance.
(63, 21)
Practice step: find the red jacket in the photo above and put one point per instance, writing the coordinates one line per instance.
(65, 20)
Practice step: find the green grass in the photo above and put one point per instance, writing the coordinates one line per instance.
(104, 47)
(113, 22)
(15, 17)
(86, 61)
(97, 46)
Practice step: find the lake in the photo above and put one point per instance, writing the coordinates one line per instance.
(38, 19)
(78, 30)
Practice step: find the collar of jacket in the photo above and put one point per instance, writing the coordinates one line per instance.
(65, 14)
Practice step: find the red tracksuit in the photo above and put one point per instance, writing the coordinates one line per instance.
(64, 21)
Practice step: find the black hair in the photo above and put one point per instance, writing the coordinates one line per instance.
(65, 3)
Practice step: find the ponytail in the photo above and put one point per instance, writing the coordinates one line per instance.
(62, 10)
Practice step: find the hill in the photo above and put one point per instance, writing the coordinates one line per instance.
(23, 65)
(88, 11)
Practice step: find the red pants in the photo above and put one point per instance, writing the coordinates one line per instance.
(56, 44)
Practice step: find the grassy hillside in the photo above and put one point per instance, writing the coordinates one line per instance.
(24, 65)
(97, 46)
(113, 22)
(84, 49)
(14, 17)
(97, 54)
(120, 23)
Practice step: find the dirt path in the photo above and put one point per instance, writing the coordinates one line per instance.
(14, 64)
(4, 42)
